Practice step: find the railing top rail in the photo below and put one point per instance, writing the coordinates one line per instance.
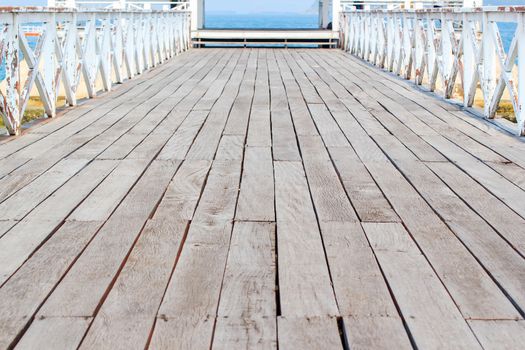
(509, 9)
(41, 9)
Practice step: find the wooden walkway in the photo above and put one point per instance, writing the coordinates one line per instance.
(239, 198)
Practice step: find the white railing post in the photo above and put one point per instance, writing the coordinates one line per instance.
(336, 10)
(11, 113)
(470, 59)
(197, 14)
(323, 13)
(488, 64)
(520, 113)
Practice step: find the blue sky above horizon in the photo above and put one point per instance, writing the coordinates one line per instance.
(252, 6)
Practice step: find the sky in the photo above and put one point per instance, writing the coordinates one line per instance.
(248, 6)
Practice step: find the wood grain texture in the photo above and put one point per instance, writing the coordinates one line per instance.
(55, 333)
(432, 317)
(22, 294)
(262, 198)
(126, 318)
(245, 333)
(256, 197)
(81, 290)
(308, 333)
(304, 281)
(499, 334)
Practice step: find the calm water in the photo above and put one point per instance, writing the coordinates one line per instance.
(265, 21)
(272, 21)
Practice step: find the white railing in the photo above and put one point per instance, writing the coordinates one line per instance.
(121, 4)
(349, 5)
(74, 48)
(456, 52)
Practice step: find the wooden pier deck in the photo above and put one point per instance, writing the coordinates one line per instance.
(255, 198)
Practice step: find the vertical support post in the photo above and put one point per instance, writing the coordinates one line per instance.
(336, 12)
(197, 14)
(489, 62)
(11, 112)
(469, 59)
(47, 87)
(520, 113)
(118, 47)
(69, 59)
(323, 14)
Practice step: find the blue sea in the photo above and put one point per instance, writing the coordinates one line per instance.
(261, 21)
(277, 21)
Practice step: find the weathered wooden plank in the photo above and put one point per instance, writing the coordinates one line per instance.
(301, 117)
(247, 308)
(20, 242)
(181, 141)
(240, 113)
(443, 250)
(493, 252)
(83, 288)
(499, 334)
(431, 315)
(375, 332)
(206, 142)
(231, 147)
(329, 197)
(215, 89)
(309, 93)
(219, 198)
(304, 281)
(38, 336)
(126, 317)
(99, 205)
(379, 107)
(308, 333)
(36, 167)
(189, 316)
(10, 164)
(146, 113)
(509, 193)
(367, 199)
(259, 130)
(184, 191)
(248, 289)
(328, 129)
(23, 293)
(361, 291)
(256, 197)
(243, 333)
(284, 143)
(163, 117)
(22, 202)
(509, 224)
